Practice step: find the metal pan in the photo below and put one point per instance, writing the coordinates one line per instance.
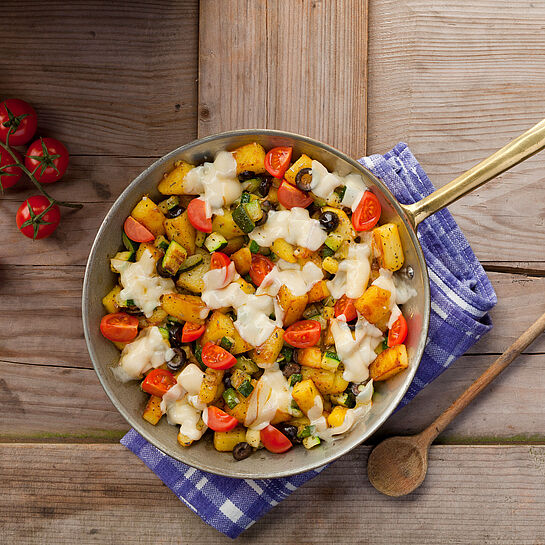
(128, 398)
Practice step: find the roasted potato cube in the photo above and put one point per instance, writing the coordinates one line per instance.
(188, 308)
(336, 417)
(280, 416)
(318, 292)
(292, 306)
(156, 253)
(242, 260)
(373, 304)
(220, 325)
(330, 265)
(181, 230)
(110, 300)
(246, 286)
(192, 280)
(326, 381)
(387, 243)
(389, 363)
(186, 441)
(149, 215)
(173, 182)
(305, 393)
(225, 225)
(310, 357)
(159, 315)
(210, 385)
(225, 441)
(250, 157)
(267, 353)
(345, 229)
(303, 162)
(152, 412)
(284, 250)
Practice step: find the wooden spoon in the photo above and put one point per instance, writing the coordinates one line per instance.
(398, 465)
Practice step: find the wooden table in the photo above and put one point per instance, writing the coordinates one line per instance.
(118, 82)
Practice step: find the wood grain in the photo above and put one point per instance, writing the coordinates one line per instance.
(471, 495)
(264, 48)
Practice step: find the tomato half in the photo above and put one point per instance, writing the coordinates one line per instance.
(219, 260)
(303, 334)
(47, 159)
(274, 440)
(10, 174)
(278, 160)
(260, 268)
(290, 197)
(18, 119)
(398, 331)
(367, 213)
(219, 420)
(346, 306)
(33, 222)
(119, 327)
(192, 332)
(216, 357)
(196, 213)
(158, 382)
(136, 231)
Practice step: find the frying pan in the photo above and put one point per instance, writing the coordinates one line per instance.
(130, 400)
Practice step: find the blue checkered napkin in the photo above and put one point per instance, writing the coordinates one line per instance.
(461, 296)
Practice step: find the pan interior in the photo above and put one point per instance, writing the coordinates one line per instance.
(130, 400)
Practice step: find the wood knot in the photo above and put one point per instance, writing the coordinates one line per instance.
(204, 112)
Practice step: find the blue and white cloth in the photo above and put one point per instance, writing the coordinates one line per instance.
(461, 296)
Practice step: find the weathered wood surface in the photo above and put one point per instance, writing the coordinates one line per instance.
(102, 494)
(297, 66)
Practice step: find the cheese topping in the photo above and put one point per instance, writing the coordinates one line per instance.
(183, 413)
(323, 182)
(353, 273)
(316, 416)
(355, 188)
(298, 280)
(142, 284)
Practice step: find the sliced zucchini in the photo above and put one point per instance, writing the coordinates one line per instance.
(200, 238)
(307, 431)
(341, 190)
(295, 378)
(174, 257)
(172, 202)
(230, 397)
(163, 331)
(242, 218)
(295, 411)
(333, 241)
(215, 242)
(191, 262)
(330, 361)
(245, 388)
(161, 242)
(254, 210)
(326, 252)
(310, 442)
(245, 197)
(227, 343)
(130, 244)
(246, 364)
(252, 185)
(346, 399)
(120, 261)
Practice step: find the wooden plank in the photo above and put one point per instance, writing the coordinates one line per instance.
(106, 78)
(471, 495)
(286, 67)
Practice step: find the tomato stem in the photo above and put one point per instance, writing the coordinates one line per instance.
(36, 183)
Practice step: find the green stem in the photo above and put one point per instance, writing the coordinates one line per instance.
(38, 185)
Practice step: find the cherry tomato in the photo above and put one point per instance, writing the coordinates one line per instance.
(274, 440)
(119, 327)
(196, 213)
(290, 197)
(216, 357)
(260, 268)
(277, 161)
(158, 381)
(33, 222)
(398, 331)
(346, 306)
(219, 420)
(136, 231)
(367, 213)
(47, 159)
(18, 119)
(219, 260)
(192, 332)
(303, 334)
(9, 173)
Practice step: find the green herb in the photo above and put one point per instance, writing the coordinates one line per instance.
(307, 431)
(341, 190)
(130, 303)
(287, 352)
(295, 378)
(254, 247)
(164, 333)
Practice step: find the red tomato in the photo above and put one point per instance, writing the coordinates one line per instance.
(398, 332)
(277, 161)
(274, 440)
(303, 334)
(119, 327)
(47, 159)
(290, 196)
(158, 381)
(219, 420)
(196, 213)
(260, 268)
(219, 260)
(216, 357)
(192, 332)
(33, 221)
(346, 306)
(367, 213)
(136, 231)
(18, 119)
(9, 173)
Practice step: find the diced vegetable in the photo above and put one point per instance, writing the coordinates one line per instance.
(191, 262)
(225, 441)
(254, 247)
(336, 417)
(250, 157)
(149, 215)
(253, 438)
(129, 244)
(246, 365)
(293, 306)
(181, 230)
(295, 378)
(373, 305)
(110, 301)
(192, 279)
(200, 237)
(267, 353)
(240, 410)
(220, 325)
(212, 385)
(161, 242)
(173, 182)
(188, 308)
(284, 250)
(242, 219)
(346, 399)
(215, 242)
(333, 241)
(233, 245)
(387, 244)
(230, 397)
(303, 162)
(304, 393)
(225, 225)
(253, 208)
(330, 361)
(242, 260)
(310, 442)
(318, 292)
(245, 388)
(310, 357)
(389, 363)
(330, 265)
(152, 412)
(174, 257)
(326, 381)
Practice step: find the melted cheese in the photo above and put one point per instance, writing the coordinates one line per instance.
(355, 188)
(142, 284)
(149, 350)
(298, 280)
(190, 379)
(353, 273)
(351, 417)
(183, 413)
(323, 182)
(316, 415)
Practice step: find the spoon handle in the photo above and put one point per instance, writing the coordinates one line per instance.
(527, 338)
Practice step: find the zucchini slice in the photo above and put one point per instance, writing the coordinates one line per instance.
(200, 238)
(242, 218)
(215, 242)
(174, 257)
(191, 262)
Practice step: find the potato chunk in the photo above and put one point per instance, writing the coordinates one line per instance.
(373, 304)
(225, 441)
(211, 384)
(242, 260)
(326, 381)
(310, 357)
(387, 243)
(267, 353)
(152, 412)
(318, 292)
(149, 215)
(389, 363)
(304, 393)
(220, 325)
(192, 280)
(173, 182)
(292, 306)
(250, 157)
(181, 230)
(188, 308)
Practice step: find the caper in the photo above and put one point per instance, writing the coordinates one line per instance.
(303, 179)
(174, 212)
(329, 220)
